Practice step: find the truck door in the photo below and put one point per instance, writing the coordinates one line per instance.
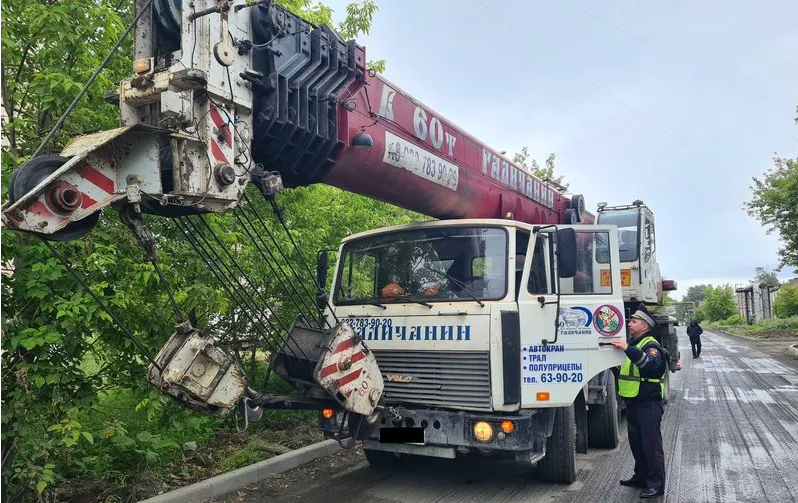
(567, 323)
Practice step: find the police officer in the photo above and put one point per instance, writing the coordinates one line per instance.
(642, 386)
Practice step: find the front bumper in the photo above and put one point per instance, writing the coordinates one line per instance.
(456, 429)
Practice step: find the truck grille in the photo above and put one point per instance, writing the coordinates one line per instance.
(453, 380)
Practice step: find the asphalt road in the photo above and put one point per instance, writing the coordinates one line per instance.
(730, 434)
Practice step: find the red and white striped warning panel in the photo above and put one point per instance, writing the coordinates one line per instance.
(349, 371)
(221, 137)
(91, 183)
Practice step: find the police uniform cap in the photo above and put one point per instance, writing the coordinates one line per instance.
(643, 314)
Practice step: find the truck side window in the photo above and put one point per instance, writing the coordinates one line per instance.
(593, 270)
(521, 247)
(538, 283)
(649, 239)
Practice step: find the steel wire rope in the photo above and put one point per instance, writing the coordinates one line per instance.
(279, 213)
(252, 235)
(249, 281)
(227, 282)
(253, 304)
(282, 253)
(103, 64)
(230, 288)
(102, 305)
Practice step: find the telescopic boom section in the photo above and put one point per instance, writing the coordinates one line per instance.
(422, 162)
(281, 96)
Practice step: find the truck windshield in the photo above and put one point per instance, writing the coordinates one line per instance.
(626, 220)
(437, 264)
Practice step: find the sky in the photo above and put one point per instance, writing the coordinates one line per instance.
(677, 103)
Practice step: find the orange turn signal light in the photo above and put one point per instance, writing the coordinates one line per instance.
(508, 426)
(542, 396)
(143, 65)
(327, 413)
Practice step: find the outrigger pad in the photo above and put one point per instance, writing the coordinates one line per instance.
(197, 373)
(333, 362)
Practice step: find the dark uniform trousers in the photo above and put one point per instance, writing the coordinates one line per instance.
(643, 418)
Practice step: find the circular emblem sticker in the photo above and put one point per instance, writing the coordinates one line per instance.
(607, 320)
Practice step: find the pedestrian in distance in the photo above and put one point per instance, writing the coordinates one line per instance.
(694, 332)
(641, 385)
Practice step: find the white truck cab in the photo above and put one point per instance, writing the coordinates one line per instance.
(462, 317)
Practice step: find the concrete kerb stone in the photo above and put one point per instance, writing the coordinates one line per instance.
(226, 483)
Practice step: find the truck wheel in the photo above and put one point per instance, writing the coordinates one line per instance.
(602, 419)
(559, 464)
(383, 459)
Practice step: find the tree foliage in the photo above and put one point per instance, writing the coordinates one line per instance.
(65, 363)
(525, 160)
(786, 303)
(695, 294)
(718, 304)
(774, 203)
(764, 275)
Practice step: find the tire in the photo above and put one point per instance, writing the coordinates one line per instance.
(559, 464)
(603, 428)
(383, 459)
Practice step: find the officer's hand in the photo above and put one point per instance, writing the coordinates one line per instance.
(620, 345)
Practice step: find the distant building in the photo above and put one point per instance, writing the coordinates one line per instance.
(755, 302)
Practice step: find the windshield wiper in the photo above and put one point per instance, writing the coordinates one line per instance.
(409, 299)
(377, 304)
(458, 283)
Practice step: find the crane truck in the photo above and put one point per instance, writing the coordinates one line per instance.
(488, 330)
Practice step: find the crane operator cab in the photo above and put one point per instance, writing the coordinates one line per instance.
(640, 277)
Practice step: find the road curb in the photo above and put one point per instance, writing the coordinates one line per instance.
(228, 482)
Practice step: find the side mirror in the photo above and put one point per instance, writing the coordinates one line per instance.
(566, 253)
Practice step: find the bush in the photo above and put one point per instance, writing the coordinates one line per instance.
(762, 328)
(786, 303)
(735, 319)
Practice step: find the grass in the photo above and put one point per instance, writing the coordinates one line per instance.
(138, 439)
(776, 328)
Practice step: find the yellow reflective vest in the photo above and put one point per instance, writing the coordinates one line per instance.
(629, 379)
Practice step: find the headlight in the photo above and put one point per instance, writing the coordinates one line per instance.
(483, 431)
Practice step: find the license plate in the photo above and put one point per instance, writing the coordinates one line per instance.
(402, 435)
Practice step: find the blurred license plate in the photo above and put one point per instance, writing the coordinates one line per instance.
(402, 435)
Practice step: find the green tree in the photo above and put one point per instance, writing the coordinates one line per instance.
(763, 275)
(62, 355)
(786, 303)
(718, 303)
(525, 160)
(695, 294)
(774, 202)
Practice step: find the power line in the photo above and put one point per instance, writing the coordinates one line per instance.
(673, 54)
(584, 77)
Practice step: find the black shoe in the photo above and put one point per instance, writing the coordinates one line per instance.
(633, 482)
(652, 493)
(695, 356)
